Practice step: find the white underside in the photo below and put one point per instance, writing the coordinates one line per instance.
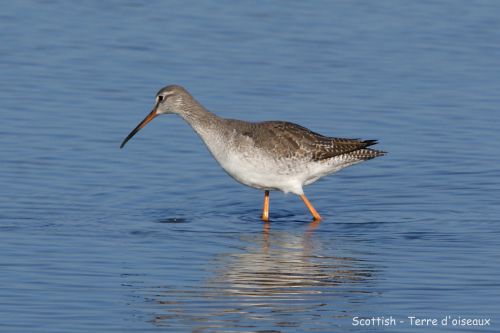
(256, 168)
(270, 174)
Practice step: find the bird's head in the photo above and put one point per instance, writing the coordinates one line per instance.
(170, 99)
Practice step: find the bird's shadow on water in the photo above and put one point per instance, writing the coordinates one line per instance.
(286, 273)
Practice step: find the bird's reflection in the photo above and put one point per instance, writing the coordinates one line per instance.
(285, 264)
(278, 273)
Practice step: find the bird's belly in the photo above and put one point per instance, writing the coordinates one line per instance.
(262, 173)
(259, 169)
(271, 174)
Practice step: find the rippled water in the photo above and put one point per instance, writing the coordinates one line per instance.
(156, 237)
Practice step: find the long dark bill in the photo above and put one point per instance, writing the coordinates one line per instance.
(143, 123)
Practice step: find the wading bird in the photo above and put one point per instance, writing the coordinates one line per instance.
(269, 155)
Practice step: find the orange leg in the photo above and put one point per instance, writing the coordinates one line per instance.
(313, 211)
(265, 211)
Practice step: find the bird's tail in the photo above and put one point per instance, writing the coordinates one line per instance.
(366, 154)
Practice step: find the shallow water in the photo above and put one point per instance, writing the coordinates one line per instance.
(156, 237)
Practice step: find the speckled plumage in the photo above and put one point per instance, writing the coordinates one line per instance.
(270, 155)
(292, 141)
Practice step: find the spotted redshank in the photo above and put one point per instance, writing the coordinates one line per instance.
(269, 155)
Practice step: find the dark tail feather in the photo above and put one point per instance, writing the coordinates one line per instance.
(370, 142)
(366, 154)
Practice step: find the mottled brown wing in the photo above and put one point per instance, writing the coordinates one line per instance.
(291, 140)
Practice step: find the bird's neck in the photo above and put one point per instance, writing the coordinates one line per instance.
(200, 119)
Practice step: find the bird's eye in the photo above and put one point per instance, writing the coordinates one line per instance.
(159, 98)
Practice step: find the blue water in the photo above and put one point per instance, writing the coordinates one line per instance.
(156, 237)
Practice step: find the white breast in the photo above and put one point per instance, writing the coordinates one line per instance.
(251, 166)
(257, 168)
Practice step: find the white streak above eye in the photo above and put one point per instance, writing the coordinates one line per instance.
(164, 96)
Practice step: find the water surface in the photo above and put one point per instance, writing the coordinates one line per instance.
(156, 237)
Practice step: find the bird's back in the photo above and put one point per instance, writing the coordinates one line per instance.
(291, 141)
